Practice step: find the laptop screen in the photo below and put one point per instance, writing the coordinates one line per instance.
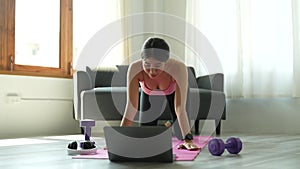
(146, 143)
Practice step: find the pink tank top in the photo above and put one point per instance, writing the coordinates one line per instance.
(167, 91)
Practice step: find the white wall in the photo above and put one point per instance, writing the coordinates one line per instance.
(259, 116)
(268, 115)
(43, 106)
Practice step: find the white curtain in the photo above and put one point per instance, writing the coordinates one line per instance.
(89, 17)
(257, 42)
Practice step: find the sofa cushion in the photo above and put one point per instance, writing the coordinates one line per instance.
(191, 77)
(101, 77)
(104, 77)
(108, 103)
(120, 77)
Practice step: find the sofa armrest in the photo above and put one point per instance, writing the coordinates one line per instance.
(81, 82)
(211, 82)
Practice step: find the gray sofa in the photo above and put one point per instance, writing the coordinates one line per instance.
(101, 95)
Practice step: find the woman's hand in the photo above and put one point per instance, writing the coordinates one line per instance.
(189, 145)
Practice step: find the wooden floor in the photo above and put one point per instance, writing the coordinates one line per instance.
(259, 152)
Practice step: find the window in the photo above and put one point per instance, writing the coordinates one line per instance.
(34, 41)
(36, 37)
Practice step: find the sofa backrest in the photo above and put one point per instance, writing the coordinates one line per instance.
(109, 78)
(118, 77)
(104, 77)
(191, 77)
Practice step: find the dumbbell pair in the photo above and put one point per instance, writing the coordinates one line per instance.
(86, 146)
(217, 146)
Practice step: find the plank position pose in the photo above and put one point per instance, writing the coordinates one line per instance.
(158, 75)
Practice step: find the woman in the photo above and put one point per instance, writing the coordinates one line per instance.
(159, 77)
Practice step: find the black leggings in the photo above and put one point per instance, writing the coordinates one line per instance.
(152, 107)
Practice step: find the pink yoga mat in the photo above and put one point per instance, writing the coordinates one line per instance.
(181, 154)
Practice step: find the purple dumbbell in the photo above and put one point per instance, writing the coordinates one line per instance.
(216, 146)
(87, 125)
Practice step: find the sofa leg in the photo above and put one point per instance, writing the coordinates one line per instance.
(218, 127)
(196, 126)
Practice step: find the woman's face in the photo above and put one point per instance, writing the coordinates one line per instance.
(153, 67)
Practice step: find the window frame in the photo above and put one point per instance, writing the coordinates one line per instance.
(7, 43)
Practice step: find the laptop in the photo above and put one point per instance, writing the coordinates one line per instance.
(139, 144)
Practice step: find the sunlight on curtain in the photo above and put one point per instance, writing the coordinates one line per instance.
(89, 16)
(296, 33)
(254, 42)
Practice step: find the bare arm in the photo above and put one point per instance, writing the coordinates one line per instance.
(180, 74)
(181, 77)
(132, 94)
